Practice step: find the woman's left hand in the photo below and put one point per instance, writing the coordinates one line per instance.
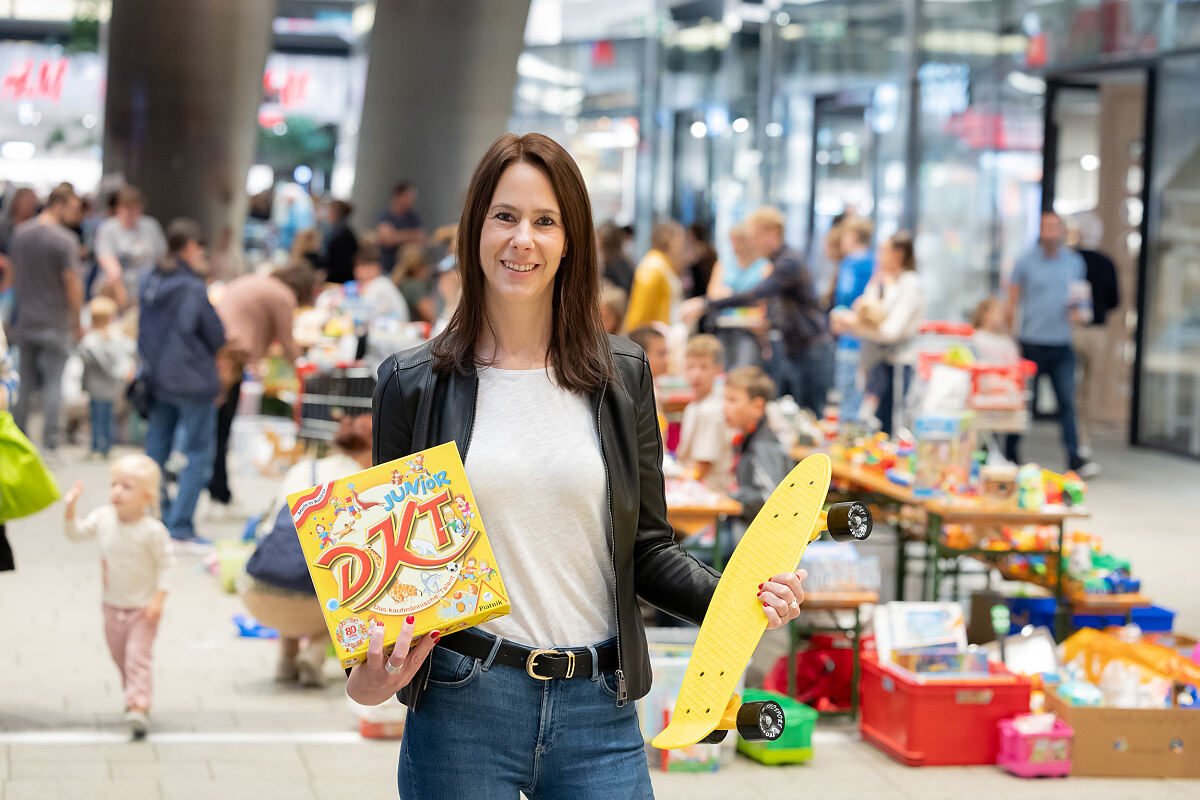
(782, 597)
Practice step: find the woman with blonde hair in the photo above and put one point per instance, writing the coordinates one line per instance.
(657, 287)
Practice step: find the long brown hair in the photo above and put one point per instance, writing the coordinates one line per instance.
(579, 355)
(903, 241)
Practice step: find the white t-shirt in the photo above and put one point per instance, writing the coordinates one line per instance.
(534, 465)
(703, 437)
(135, 557)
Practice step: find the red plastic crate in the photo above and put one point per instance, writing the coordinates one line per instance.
(940, 722)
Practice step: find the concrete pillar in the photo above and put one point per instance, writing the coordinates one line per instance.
(440, 80)
(180, 114)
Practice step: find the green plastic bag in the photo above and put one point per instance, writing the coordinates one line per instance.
(26, 486)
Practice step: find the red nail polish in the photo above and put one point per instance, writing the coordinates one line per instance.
(760, 586)
(436, 635)
(410, 619)
(764, 605)
(760, 594)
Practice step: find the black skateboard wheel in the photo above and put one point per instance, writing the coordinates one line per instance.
(716, 737)
(760, 721)
(849, 522)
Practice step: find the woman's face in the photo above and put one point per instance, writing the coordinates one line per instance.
(523, 238)
(890, 259)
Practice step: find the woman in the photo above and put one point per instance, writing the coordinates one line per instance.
(616, 266)
(276, 587)
(657, 287)
(742, 345)
(573, 505)
(885, 318)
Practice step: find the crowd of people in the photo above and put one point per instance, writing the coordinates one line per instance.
(161, 332)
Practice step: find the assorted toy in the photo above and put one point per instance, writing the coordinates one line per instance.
(398, 539)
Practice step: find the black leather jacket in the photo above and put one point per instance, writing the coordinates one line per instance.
(415, 408)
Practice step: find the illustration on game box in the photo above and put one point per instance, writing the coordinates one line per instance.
(397, 539)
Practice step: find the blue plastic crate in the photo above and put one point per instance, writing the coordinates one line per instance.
(1035, 611)
(1154, 619)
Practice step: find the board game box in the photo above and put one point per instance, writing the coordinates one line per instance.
(397, 539)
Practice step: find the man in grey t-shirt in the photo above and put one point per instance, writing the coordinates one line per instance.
(49, 293)
(1040, 289)
(128, 245)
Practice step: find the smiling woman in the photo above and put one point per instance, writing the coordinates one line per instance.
(557, 428)
(527, 224)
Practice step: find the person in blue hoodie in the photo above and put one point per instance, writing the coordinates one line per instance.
(179, 334)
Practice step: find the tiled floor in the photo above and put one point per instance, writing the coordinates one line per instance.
(223, 729)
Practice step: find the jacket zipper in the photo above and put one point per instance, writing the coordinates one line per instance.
(622, 690)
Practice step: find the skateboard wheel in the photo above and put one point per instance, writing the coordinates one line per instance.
(716, 737)
(849, 522)
(759, 721)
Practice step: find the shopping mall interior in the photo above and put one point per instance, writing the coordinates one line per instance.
(1007, 618)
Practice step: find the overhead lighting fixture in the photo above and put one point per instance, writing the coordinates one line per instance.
(773, 129)
(699, 129)
(17, 150)
(1089, 162)
(741, 125)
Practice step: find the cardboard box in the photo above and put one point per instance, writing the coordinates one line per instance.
(397, 539)
(1131, 742)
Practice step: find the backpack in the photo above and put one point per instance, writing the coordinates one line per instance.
(279, 560)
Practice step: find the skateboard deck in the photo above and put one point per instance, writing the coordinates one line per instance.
(734, 623)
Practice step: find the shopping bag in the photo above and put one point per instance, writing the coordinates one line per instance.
(26, 485)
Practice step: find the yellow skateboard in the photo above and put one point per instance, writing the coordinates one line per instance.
(791, 518)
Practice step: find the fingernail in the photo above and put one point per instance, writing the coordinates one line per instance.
(760, 586)
(760, 594)
(764, 605)
(410, 619)
(436, 635)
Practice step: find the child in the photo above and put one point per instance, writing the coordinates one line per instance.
(107, 367)
(135, 562)
(652, 341)
(759, 461)
(703, 438)
(381, 296)
(992, 340)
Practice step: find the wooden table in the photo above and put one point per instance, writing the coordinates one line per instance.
(872, 486)
(831, 601)
(688, 520)
(949, 512)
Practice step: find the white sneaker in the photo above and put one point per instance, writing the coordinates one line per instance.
(137, 722)
(1085, 452)
(1089, 469)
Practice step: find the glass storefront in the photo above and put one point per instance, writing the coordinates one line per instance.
(1169, 401)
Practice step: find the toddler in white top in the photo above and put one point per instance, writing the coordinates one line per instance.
(135, 562)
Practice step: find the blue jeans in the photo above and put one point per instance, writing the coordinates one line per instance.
(1057, 361)
(43, 359)
(845, 379)
(806, 377)
(101, 412)
(485, 730)
(197, 427)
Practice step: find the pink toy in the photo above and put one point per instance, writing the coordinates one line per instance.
(1035, 755)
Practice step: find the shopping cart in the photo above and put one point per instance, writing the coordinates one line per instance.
(328, 395)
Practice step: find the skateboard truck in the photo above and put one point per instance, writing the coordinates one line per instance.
(755, 722)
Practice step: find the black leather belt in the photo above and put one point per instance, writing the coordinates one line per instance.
(538, 663)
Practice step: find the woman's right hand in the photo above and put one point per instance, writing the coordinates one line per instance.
(371, 683)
